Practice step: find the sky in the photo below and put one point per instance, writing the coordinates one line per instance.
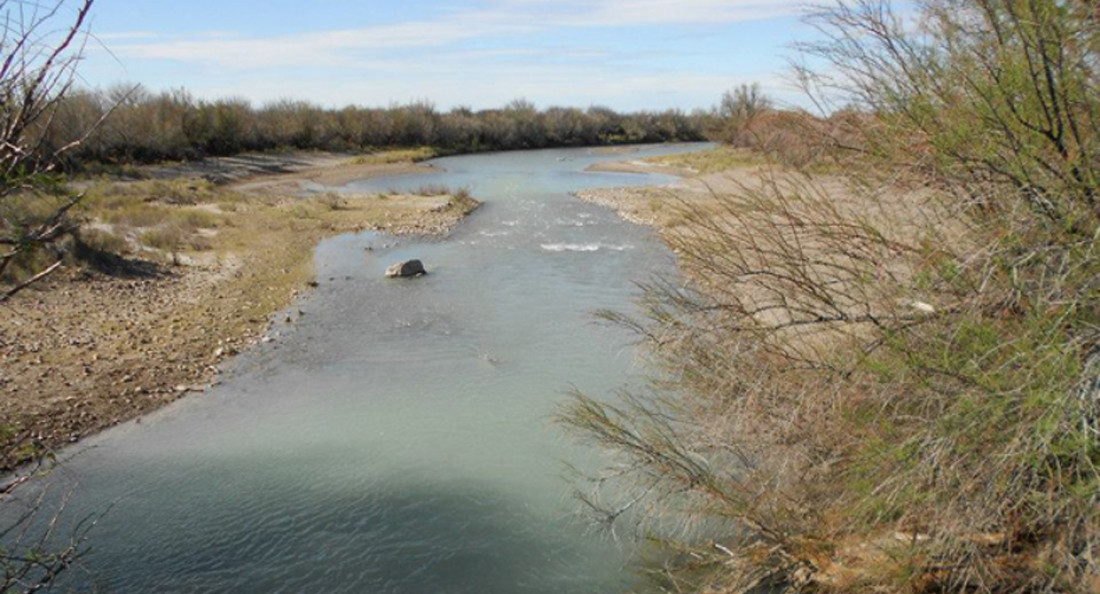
(625, 54)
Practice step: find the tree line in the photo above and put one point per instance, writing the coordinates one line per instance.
(132, 125)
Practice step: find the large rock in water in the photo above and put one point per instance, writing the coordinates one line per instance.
(406, 269)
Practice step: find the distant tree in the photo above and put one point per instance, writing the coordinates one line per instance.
(459, 129)
(147, 127)
(740, 107)
(529, 124)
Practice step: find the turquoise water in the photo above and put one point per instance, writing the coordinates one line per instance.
(398, 438)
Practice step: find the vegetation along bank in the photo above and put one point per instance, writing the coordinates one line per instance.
(882, 371)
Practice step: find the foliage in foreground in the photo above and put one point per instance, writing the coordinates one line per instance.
(890, 384)
(39, 50)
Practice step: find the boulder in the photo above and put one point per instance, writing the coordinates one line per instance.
(406, 269)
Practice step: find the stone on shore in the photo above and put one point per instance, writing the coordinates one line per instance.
(406, 269)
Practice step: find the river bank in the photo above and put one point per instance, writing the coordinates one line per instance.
(734, 219)
(175, 273)
(703, 175)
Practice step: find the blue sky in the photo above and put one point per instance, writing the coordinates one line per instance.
(626, 54)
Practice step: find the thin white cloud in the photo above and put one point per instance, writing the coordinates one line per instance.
(346, 47)
(126, 35)
(459, 79)
(330, 47)
(477, 57)
(544, 87)
(629, 13)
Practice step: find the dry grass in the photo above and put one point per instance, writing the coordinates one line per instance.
(182, 215)
(391, 156)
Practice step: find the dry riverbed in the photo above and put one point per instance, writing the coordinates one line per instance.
(175, 274)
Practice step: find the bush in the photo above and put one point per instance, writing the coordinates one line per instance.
(432, 190)
(891, 383)
(180, 192)
(332, 201)
(138, 214)
(102, 241)
(194, 218)
(169, 238)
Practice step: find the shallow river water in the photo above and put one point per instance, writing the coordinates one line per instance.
(399, 437)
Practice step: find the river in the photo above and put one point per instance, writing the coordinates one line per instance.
(398, 437)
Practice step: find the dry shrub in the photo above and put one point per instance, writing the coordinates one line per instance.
(42, 44)
(36, 226)
(183, 192)
(137, 214)
(787, 136)
(432, 190)
(890, 382)
(799, 140)
(332, 201)
(195, 218)
(103, 241)
(170, 239)
(175, 237)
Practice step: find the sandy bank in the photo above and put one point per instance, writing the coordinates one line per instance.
(640, 166)
(662, 206)
(288, 172)
(335, 174)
